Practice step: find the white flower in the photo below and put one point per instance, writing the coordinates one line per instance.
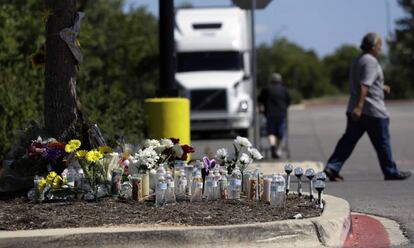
(147, 157)
(167, 143)
(178, 151)
(254, 153)
(242, 141)
(244, 159)
(151, 143)
(163, 145)
(153, 172)
(231, 157)
(221, 154)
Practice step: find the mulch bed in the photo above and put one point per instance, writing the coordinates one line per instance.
(19, 214)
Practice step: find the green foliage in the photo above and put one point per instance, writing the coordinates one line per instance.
(302, 71)
(338, 65)
(120, 67)
(21, 86)
(401, 55)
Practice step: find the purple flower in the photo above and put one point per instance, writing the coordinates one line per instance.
(53, 154)
(208, 164)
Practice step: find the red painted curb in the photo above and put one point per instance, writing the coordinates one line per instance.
(367, 232)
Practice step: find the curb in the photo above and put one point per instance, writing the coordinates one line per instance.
(329, 230)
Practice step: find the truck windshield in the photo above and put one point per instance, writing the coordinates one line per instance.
(209, 61)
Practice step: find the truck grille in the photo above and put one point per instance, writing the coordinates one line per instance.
(202, 100)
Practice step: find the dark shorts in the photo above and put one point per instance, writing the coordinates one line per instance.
(276, 126)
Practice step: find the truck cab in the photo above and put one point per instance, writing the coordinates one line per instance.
(213, 67)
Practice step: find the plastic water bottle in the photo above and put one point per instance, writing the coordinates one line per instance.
(181, 186)
(161, 170)
(216, 189)
(170, 191)
(79, 176)
(197, 187)
(160, 191)
(209, 190)
(70, 177)
(281, 185)
(235, 184)
(277, 191)
(178, 166)
(189, 176)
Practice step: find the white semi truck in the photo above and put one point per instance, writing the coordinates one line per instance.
(213, 48)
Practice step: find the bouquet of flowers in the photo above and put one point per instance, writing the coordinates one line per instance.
(244, 154)
(155, 152)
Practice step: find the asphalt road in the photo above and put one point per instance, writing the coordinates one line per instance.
(313, 133)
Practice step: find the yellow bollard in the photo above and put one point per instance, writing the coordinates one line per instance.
(168, 118)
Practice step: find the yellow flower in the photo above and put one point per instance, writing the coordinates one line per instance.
(57, 182)
(81, 153)
(75, 142)
(72, 146)
(42, 184)
(51, 177)
(105, 149)
(93, 156)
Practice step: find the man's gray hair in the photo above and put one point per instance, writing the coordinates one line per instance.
(369, 41)
(276, 78)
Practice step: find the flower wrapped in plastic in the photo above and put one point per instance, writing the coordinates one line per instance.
(244, 154)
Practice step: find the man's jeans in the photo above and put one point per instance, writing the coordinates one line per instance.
(378, 133)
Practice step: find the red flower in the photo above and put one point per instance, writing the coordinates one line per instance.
(35, 149)
(57, 145)
(187, 148)
(175, 141)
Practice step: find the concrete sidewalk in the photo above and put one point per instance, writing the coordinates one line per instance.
(330, 229)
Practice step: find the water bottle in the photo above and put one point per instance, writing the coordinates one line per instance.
(197, 187)
(170, 191)
(161, 170)
(189, 176)
(235, 184)
(209, 191)
(160, 191)
(178, 166)
(79, 178)
(216, 189)
(181, 187)
(70, 177)
(281, 185)
(277, 191)
(246, 182)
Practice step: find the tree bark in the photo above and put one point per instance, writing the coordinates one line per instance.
(60, 100)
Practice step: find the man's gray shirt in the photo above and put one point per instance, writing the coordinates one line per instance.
(366, 70)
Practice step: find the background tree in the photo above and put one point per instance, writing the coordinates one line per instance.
(120, 67)
(61, 111)
(338, 65)
(302, 71)
(400, 72)
(21, 84)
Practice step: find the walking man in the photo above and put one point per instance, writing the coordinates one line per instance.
(276, 101)
(366, 112)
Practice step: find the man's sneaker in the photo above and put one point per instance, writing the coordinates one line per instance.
(399, 176)
(333, 175)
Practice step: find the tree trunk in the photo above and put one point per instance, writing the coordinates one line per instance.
(60, 100)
